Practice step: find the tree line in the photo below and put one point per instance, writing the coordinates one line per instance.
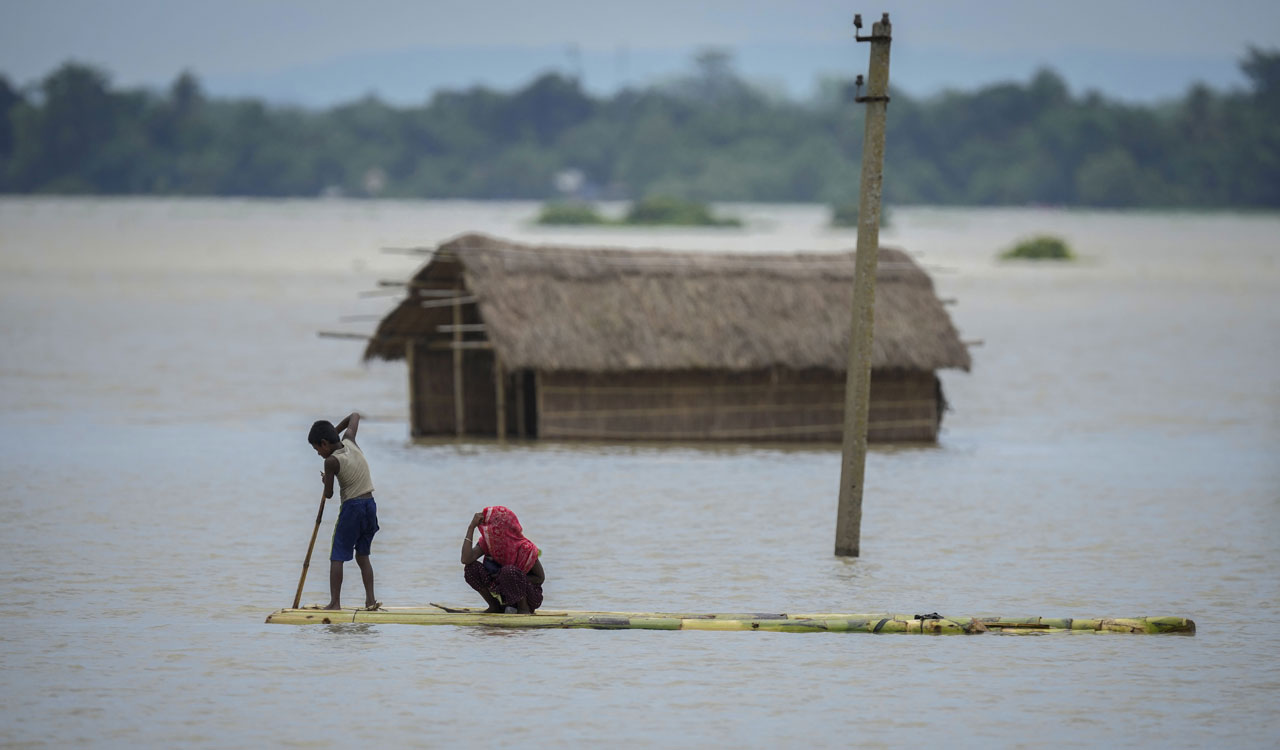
(706, 135)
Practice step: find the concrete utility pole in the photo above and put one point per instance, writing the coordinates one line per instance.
(858, 385)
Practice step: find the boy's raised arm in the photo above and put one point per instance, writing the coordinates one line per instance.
(330, 471)
(351, 423)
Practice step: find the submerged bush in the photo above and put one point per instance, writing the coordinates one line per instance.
(1043, 247)
(675, 212)
(570, 213)
(653, 211)
(846, 215)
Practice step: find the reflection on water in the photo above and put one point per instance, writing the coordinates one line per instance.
(1112, 454)
(360, 631)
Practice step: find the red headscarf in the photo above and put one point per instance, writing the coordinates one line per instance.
(503, 539)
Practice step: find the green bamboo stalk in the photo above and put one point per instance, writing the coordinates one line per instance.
(1105, 624)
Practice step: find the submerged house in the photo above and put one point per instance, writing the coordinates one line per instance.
(610, 344)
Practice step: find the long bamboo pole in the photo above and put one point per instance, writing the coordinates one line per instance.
(459, 409)
(500, 385)
(858, 385)
(411, 356)
(306, 562)
(520, 425)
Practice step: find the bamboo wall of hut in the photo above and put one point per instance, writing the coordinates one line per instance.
(777, 405)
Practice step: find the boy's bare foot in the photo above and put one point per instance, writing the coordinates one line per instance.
(370, 607)
(332, 605)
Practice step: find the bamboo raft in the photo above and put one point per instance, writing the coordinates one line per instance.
(436, 614)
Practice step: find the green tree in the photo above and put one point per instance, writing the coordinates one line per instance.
(10, 98)
(1110, 179)
(58, 139)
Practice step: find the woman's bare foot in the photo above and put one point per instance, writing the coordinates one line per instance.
(494, 609)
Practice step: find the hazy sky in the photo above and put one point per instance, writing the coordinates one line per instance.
(322, 51)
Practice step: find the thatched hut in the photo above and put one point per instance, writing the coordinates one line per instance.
(576, 343)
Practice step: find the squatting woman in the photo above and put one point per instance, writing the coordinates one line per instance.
(510, 576)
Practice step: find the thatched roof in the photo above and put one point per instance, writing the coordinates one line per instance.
(602, 310)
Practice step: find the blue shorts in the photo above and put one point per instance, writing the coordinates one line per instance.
(357, 523)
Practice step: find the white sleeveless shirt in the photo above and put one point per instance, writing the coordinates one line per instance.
(353, 471)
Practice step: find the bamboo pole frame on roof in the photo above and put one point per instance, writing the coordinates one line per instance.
(454, 301)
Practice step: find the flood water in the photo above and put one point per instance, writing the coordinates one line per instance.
(1114, 452)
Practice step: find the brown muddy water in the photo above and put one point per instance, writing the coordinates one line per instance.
(1113, 453)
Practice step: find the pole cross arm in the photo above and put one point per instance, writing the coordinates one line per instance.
(880, 32)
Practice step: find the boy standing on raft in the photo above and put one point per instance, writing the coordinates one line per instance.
(510, 578)
(358, 517)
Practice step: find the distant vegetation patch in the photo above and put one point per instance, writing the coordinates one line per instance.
(651, 211)
(564, 213)
(1043, 247)
(670, 211)
(846, 215)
